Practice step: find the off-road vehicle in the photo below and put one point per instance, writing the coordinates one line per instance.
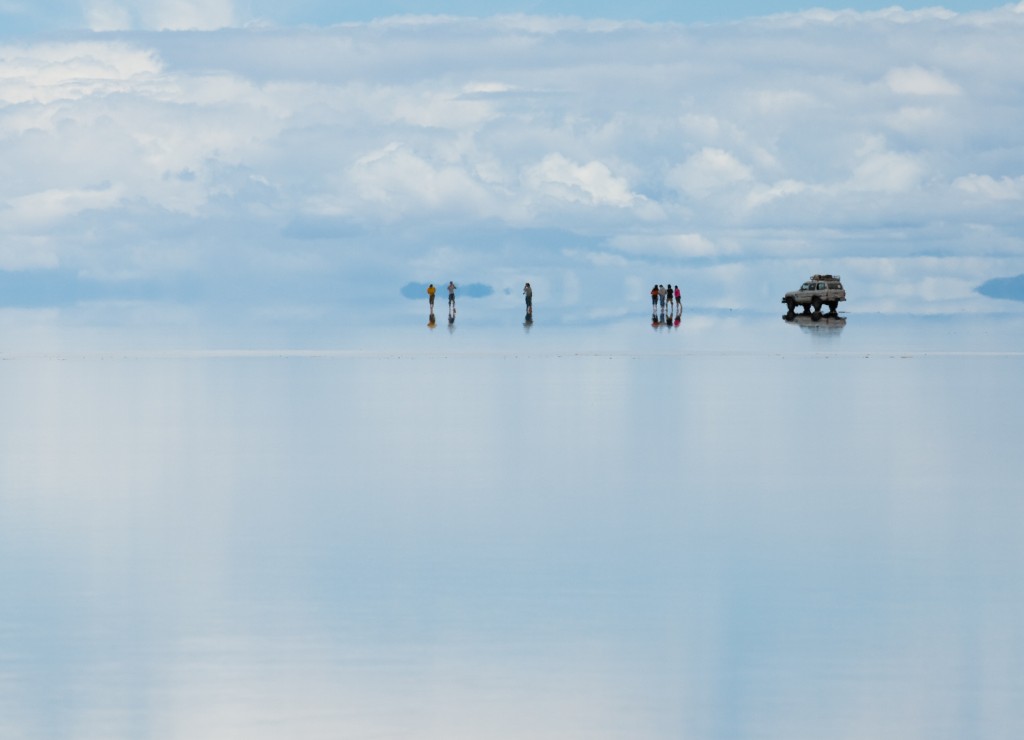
(820, 290)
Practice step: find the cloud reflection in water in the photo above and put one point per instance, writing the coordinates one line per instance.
(495, 545)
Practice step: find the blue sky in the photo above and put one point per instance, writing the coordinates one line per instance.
(284, 168)
(23, 16)
(312, 11)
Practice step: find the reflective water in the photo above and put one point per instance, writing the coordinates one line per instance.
(737, 528)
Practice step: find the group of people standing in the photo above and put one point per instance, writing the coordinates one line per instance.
(665, 297)
(432, 291)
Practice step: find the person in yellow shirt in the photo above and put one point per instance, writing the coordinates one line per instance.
(431, 290)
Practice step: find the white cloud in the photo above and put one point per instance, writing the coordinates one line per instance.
(49, 206)
(592, 183)
(701, 126)
(763, 195)
(669, 245)
(50, 72)
(915, 119)
(107, 15)
(190, 14)
(446, 110)
(879, 170)
(847, 18)
(918, 81)
(486, 87)
(986, 186)
(399, 180)
(160, 15)
(599, 259)
(708, 171)
(437, 130)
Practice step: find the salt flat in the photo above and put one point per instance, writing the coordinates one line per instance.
(735, 529)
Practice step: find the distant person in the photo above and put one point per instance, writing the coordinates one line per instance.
(669, 296)
(528, 292)
(431, 291)
(654, 298)
(679, 300)
(451, 295)
(661, 297)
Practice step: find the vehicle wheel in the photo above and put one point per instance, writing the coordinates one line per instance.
(816, 304)
(833, 307)
(791, 305)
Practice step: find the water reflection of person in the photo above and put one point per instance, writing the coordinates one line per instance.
(432, 322)
(451, 321)
(527, 323)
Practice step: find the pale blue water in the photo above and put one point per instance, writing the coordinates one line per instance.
(738, 528)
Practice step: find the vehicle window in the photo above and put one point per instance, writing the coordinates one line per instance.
(821, 286)
(806, 286)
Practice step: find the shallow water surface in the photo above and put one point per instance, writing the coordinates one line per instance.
(734, 529)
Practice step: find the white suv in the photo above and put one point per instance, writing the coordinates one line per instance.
(820, 290)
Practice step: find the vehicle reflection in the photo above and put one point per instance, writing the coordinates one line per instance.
(816, 323)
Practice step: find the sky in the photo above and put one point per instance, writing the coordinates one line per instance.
(21, 16)
(189, 161)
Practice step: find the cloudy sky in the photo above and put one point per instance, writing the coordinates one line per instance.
(231, 158)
